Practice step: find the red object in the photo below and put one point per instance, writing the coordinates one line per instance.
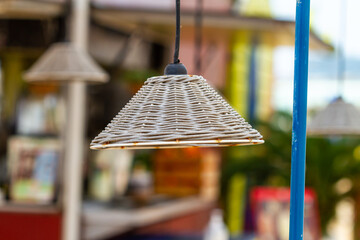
(271, 211)
(29, 226)
(279, 194)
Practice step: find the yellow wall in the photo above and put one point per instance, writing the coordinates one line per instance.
(238, 75)
(259, 8)
(12, 70)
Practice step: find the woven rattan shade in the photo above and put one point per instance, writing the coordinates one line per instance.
(176, 111)
(338, 118)
(64, 62)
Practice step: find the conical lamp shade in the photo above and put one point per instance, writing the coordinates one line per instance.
(338, 118)
(64, 62)
(175, 111)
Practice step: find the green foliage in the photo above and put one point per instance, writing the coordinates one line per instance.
(328, 161)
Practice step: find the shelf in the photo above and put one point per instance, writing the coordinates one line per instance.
(102, 222)
(29, 209)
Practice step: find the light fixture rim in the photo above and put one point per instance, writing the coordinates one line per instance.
(177, 144)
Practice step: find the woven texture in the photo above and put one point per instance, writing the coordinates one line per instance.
(176, 111)
(64, 62)
(338, 118)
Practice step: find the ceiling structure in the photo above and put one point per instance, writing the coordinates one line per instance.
(156, 24)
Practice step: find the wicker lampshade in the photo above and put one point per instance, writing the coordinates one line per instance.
(64, 62)
(338, 118)
(173, 111)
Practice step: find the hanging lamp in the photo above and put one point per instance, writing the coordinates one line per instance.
(64, 62)
(176, 110)
(339, 118)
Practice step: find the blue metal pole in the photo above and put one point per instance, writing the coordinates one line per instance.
(298, 153)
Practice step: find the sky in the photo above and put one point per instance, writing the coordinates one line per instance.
(328, 22)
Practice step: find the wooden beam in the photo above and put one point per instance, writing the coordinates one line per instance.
(160, 23)
(26, 9)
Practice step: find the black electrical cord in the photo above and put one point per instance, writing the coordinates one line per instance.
(198, 36)
(176, 68)
(64, 25)
(177, 36)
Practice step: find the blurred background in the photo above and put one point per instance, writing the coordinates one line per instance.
(244, 48)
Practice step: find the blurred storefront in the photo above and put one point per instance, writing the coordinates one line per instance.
(127, 193)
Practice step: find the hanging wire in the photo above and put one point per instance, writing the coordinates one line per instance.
(177, 36)
(176, 68)
(341, 59)
(64, 32)
(198, 36)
